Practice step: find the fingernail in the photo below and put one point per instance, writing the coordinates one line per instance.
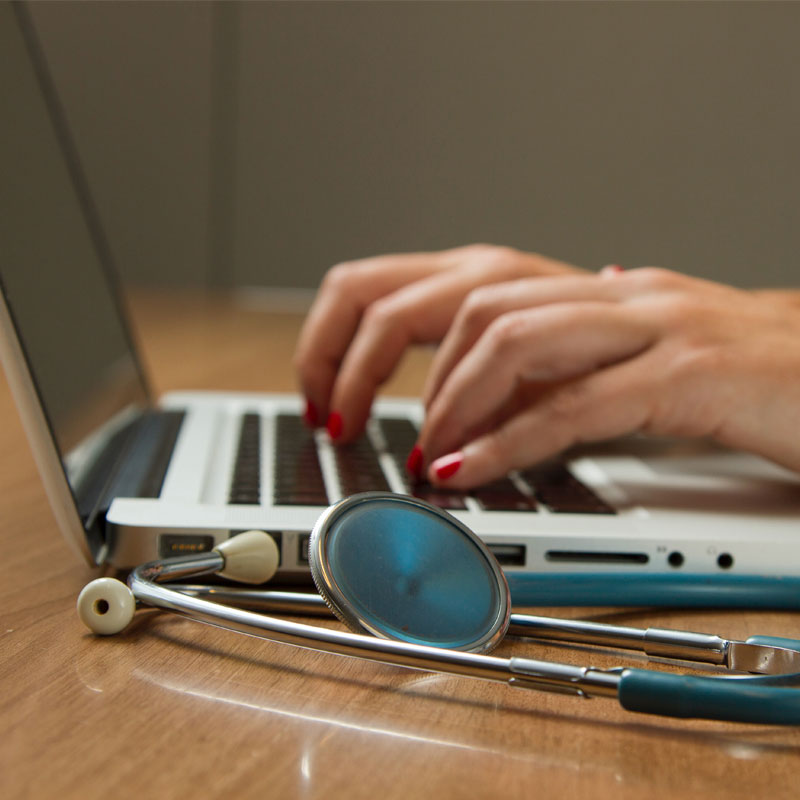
(447, 466)
(334, 425)
(311, 416)
(414, 462)
(611, 269)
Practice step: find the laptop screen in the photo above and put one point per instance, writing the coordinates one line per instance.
(53, 258)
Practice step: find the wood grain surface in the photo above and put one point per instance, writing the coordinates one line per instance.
(172, 708)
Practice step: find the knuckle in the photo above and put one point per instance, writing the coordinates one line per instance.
(479, 249)
(489, 256)
(655, 278)
(681, 312)
(477, 309)
(379, 315)
(341, 278)
(503, 334)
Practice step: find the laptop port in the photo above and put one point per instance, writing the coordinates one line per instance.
(182, 544)
(595, 557)
(675, 559)
(302, 548)
(724, 560)
(508, 555)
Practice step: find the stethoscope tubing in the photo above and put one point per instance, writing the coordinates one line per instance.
(769, 700)
(656, 642)
(146, 584)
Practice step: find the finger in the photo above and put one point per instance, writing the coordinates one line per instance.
(603, 405)
(486, 304)
(349, 289)
(547, 344)
(333, 319)
(418, 313)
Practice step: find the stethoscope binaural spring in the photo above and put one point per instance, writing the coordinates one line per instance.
(421, 590)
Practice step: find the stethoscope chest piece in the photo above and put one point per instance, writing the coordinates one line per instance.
(397, 568)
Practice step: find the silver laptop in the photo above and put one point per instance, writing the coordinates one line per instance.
(131, 479)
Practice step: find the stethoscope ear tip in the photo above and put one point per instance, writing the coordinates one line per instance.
(106, 606)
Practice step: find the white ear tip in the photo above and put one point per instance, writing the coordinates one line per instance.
(106, 606)
(250, 557)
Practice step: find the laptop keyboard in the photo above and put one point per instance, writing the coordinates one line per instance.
(298, 473)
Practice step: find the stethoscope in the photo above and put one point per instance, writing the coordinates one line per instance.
(421, 590)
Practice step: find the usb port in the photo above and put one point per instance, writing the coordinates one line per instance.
(509, 555)
(182, 544)
(302, 548)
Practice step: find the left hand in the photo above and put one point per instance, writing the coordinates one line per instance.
(368, 312)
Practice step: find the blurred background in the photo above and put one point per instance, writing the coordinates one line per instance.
(256, 144)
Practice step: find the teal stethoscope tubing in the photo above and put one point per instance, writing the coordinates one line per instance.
(772, 700)
(768, 700)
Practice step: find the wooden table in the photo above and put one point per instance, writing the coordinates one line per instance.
(176, 709)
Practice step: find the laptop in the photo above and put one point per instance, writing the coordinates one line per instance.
(132, 478)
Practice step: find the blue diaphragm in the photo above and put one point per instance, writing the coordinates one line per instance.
(402, 569)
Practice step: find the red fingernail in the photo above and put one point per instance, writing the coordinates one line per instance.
(334, 425)
(447, 466)
(611, 269)
(311, 416)
(414, 462)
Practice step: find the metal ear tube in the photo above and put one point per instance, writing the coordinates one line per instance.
(420, 590)
(106, 605)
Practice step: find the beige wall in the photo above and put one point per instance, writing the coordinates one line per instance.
(134, 79)
(260, 143)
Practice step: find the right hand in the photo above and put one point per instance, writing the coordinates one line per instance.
(532, 367)
(368, 312)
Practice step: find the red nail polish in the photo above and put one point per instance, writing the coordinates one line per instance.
(414, 462)
(611, 269)
(334, 425)
(311, 416)
(447, 466)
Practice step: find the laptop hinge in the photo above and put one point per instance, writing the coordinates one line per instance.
(132, 464)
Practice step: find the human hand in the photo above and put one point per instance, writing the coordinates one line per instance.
(529, 368)
(368, 312)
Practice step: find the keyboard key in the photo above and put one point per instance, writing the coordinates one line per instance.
(503, 495)
(359, 469)
(562, 493)
(448, 499)
(400, 436)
